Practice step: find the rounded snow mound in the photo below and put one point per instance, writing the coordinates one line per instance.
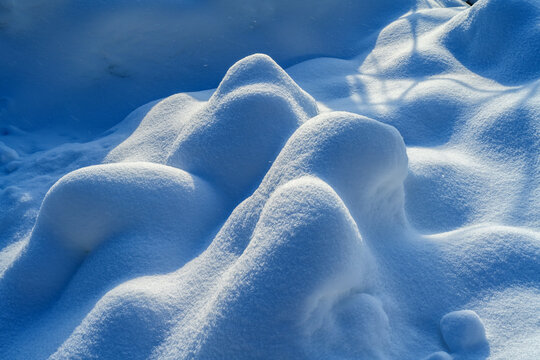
(256, 107)
(90, 206)
(498, 39)
(245, 224)
(286, 271)
(463, 331)
(362, 159)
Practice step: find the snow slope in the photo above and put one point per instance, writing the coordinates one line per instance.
(81, 65)
(382, 206)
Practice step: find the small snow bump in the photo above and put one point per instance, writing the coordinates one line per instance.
(439, 355)
(463, 331)
(7, 154)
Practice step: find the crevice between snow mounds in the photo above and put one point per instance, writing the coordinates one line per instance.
(291, 252)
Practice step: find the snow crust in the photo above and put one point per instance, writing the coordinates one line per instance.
(379, 204)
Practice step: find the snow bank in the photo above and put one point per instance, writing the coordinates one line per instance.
(498, 39)
(295, 224)
(86, 65)
(391, 213)
(91, 205)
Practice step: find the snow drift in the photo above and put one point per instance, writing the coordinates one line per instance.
(380, 207)
(80, 60)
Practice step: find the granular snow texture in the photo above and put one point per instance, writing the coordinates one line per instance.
(382, 206)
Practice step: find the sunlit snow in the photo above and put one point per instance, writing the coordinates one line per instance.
(363, 183)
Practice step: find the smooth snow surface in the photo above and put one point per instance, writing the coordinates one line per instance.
(81, 65)
(382, 203)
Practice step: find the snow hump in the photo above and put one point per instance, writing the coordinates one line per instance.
(251, 221)
(251, 207)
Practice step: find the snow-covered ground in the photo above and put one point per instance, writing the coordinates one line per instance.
(369, 189)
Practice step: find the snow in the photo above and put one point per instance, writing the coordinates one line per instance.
(439, 355)
(80, 66)
(7, 154)
(369, 189)
(463, 331)
(507, 29)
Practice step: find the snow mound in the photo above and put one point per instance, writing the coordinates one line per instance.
(256, 107)
(85, 64)
(7, 154)
(300, 260)
(259, 221)
(498, 39)
(347, 145)
(89, 206)
(439, 355)
(300, 222)
(463, 331)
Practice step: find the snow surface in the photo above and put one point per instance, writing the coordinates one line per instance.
(377, 200)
